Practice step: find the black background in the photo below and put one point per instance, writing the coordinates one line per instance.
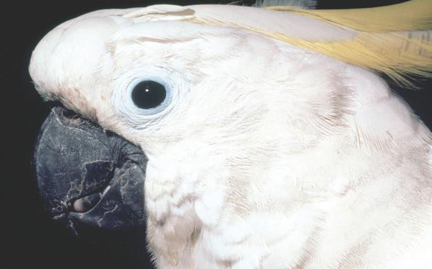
(28, 237)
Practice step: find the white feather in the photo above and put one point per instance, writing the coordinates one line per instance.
(271, 157)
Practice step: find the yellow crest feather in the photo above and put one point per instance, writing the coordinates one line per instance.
(407, 16)
(395, 39)
(395, 54)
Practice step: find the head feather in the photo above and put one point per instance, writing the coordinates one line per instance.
(395, 39)
(406, 16)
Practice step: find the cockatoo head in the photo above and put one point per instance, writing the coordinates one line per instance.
(205, 110)
(202, 80)
(204, 102)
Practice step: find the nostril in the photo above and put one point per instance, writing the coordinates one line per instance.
(69, 114)
(60, 110)
(86, 203)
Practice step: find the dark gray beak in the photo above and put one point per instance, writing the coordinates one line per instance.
(88, 176)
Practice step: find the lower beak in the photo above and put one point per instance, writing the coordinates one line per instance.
(88, 176)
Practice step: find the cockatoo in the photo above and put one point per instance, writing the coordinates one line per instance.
(242, 137)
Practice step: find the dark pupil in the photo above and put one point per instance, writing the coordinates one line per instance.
(148, 94)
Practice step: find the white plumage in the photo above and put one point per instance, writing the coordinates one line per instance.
(268, 155)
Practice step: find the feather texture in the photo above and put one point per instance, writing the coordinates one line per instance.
(395, 40)
(397, 54)
(407, 16)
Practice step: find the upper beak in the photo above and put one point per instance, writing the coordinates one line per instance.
(87, 175)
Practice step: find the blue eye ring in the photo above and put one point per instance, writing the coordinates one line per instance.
(144, 116)
(149, 110)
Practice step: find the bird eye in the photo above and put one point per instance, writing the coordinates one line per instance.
(145, 95)
(148, 94)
